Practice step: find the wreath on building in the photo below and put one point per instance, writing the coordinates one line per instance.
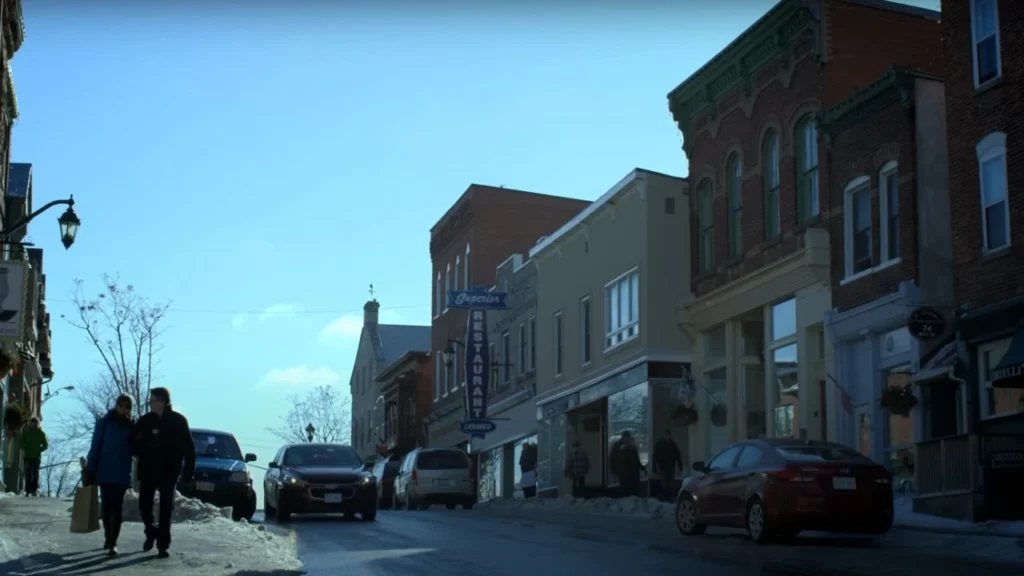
(898, 400)
(15, 417)
(685, 415)
(8, 361)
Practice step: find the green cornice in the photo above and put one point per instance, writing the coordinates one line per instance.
(12, 97)
(768, 38)
(896, 85)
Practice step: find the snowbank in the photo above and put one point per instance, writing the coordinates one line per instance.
(907, 518)
(185, 510)
(631, 506)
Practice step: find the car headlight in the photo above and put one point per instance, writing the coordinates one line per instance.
(241, 477)
(293, 481)
(367, 480)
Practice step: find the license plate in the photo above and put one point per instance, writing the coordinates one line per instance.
(442, 483)
(844, 483)
(204, 486)
(332, 498)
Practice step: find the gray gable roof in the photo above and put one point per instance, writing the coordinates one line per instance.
(397, 339)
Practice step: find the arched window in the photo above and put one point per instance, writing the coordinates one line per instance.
(466, 274)
(770, 164)
(807, 168)
(706, 226)
(734, 185)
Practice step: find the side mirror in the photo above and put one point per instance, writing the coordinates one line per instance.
(250, 457)
(273, 465)
(699, 466)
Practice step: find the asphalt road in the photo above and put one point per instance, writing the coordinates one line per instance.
(465, 543)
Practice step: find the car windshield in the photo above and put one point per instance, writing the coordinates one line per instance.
(442, 460)
(821, 453)
(216, 446)
(322, 456)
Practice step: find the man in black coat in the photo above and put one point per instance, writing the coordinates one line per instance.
(162, 442)
(667, 462)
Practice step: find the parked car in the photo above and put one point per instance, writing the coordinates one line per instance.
(777, 488)
(318, 479)
(222, 476)
(385, 472)
(434, 476)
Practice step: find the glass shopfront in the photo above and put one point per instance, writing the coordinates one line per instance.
(550, 451)
(629, 411)
(489, 478)
(517, 471)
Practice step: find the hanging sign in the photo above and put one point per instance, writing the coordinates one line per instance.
(926, 323)
(476, 424)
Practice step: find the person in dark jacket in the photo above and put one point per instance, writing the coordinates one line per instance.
(667, 462)
(33, 444)
(626, 464)
(109, 464)
(167, 455)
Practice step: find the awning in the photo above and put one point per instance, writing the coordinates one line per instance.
(30, 368)
(1008, 373)
(940, 366)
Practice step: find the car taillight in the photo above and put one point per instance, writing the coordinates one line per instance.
(794, 475)
(414, 475)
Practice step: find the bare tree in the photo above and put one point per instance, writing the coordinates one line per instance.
(59, 470)
(124, 328)
(325, 407)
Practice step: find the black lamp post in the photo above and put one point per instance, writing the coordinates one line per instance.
(310, 430)
(50, 395)
(68, 221)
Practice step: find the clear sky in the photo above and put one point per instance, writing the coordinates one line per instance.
(262, 166)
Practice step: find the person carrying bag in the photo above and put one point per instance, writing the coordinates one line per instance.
(108, 469)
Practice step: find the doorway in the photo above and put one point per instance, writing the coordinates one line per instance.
(588, 424)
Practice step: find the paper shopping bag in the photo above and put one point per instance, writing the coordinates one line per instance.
(85, 512)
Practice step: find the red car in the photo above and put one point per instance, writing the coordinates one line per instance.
(779, 487)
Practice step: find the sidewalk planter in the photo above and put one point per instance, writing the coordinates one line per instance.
(898, 400)
(15, 418)
(7, 363)
(685, 415)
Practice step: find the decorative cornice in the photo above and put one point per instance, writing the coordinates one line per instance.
(896, 85)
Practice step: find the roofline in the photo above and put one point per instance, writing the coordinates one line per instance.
(895, 84)
(596, 205)
(387, 371)
(898, 7)
(481, 187)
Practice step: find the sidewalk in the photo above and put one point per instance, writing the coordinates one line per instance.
(901, 552)
(35, 540)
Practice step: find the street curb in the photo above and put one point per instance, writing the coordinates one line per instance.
(959, 532)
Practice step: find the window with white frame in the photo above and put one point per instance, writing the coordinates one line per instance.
(531, 328)
(889, 210)
(734, 186)
(466, 276)
(622, 309)
(807, 169)
(438, 295)
(506, 355)
(492, 359)
(996, 401)
(985, 35)
(706, 226)
(585, 335)
(447, 284)
(995, 209)
(770, 163)
(456, 276)
(557, 327)
(522, 348)
(438, 375)
(857, 225)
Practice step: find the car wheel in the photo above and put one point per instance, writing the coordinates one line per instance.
(450, 506)
(422, 505)
(686, 516)
(268, 510)
(370, 513)
(757, 524)
(467, 506)
(350, 515)
(395, 503)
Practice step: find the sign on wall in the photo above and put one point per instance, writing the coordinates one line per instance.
(12, 299)
(478, 362)
(926, 323)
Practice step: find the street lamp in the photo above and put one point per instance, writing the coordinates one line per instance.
(68, 221)
(310, 430)
(49, 395)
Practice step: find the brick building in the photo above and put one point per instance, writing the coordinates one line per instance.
(760, 175)
(467, 244)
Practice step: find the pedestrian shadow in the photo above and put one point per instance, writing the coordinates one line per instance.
(51, 564)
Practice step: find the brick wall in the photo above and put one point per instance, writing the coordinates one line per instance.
(424, 395)
(971, 115)
(862, 150)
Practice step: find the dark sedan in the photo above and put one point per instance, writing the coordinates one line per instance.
(222, 476)
(777, 488)
(319, 479)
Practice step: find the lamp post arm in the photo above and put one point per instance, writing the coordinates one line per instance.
(70, 202)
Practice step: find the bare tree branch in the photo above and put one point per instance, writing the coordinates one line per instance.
(325, 407)
(58, 470)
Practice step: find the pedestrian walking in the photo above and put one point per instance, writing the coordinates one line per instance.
(528, 470)
(667, 462)
(109, 465)
(626, 465)
(167, 455)
(577, 465)
(33, 444)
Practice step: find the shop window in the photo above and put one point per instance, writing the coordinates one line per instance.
(550, 450)
(996, 401)
(718, 393)
(489, 474)
(899, 445)
(784, 319)
(785, 417)
(628, 411)
(787, 390)
(517, 473)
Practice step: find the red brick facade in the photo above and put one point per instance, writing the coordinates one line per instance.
(972, 114)
(494, 223)
(826, 55)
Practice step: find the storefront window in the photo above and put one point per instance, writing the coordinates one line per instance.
(517, 472)
(900, 435)
(664, 406)
(489, 474)
(628, 410)
(753, 400)
(787, 378)
(551, 451)
(718, 392)
(997, 402)
(784, 319)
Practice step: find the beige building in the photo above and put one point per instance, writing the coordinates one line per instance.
(609, 353)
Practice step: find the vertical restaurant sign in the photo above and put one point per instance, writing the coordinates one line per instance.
(477, 365)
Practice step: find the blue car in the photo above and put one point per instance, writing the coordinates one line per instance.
(222, 475)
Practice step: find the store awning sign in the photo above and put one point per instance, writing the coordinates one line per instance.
(476, 424)
(1009, 373)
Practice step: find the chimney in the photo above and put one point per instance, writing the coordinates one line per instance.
(370, 310)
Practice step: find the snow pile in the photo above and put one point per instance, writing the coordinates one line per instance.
(630, 506)
(185, 509)
(907, 518)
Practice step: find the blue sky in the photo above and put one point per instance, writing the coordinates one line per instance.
(261, 168)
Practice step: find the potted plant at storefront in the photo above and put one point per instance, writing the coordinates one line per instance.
(8, 361)
(15, 417)
(898, 400)
(685, 415)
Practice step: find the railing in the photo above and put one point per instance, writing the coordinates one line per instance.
(947, 465)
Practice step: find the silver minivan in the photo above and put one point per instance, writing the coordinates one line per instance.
(434, 476)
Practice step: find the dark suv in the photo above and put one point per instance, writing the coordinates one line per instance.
(222, 476)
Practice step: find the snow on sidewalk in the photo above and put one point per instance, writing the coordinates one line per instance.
(907, 518)
(35, 539)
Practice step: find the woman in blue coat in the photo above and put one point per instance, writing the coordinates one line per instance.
(109, 465)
